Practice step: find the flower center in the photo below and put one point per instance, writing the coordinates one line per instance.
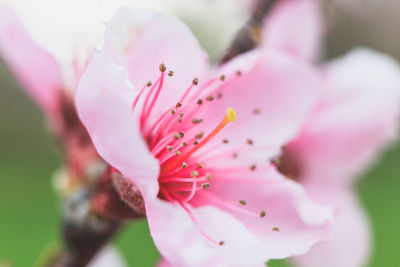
(177, 135)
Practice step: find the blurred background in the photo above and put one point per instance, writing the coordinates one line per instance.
(29, 211)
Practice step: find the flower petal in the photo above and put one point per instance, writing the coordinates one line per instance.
(351, 243)
(142, 39)
(291, 222)
(36, 70)
(356, 118)
(271, 99)
(294, 27)
(109, 256)
(104, 97)
(180, 241)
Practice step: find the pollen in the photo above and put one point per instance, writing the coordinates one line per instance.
(242, 202)
(230, 114)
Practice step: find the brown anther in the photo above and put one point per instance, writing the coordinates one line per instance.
(219, 95)
(200, 164)
(199, 102)
(210, 98)
(171, 73)
(177, 153)
(178, 105)
(179, 120)
(184, 165)
(184, 144)
(162, 67)
(256, 111)
(262, 213)
(196, 120)
(195, 81)
(205, 185)
(250, 142)
(208, 176)
(222, 77)
(275, 229)
(238, 73)
(221, 243)
(194, 174)
(225, 141)
(175, 135)
(253, 167)
(235, 155)
(180, 114)
(148, 83)
(173, 111)
(181, 134)
(199, 135)
(242, 202)
(169, 148)
(195, 143)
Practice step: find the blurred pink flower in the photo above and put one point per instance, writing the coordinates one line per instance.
(355, 117)
(41, 75)
(210, 193)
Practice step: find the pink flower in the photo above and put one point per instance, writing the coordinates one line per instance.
(197, 142)
(355, 117)
(41, 75)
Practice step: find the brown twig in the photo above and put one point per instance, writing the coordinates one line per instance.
(249, 35)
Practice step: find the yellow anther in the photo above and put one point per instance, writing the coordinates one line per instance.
(230, 114)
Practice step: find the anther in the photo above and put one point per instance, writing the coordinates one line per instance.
(162, 67)
(170, 73)
(194, 174)
(242, 202)
(250, 142)
(180, 120)
(205, 185)
(256, 111)
(180, 114)
(184, 165)
(262, 213)
(199, 135)
(225, 141)
(175, 135)
(178, 105)
(210, 98)
(177, 153)
(208, 176)
(275, 229)
(200, 164)
(173, 111)
(196, 143)
(222, 77)
(149, 84)
(219, 95)
(184, 144)
(238, 73)
(181, 134)
(253, 167)
(221, 243)
(169, 148)
(199, 102)
(195, 81)
(196, 120)
(235, 155)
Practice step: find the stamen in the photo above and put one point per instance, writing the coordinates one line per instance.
(275, 229)
(170, 73)
(242, 202)
(162, 67)
(229, 117)
(200, 101)
(262, 213)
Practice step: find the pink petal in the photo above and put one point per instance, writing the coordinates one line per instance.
(142, 39)
(295, 27)
(357, 117)
(104, 97)
(351, 243)
(107, 257)
(179, 240)
(271, 97)
(37, 71)
(301, 221)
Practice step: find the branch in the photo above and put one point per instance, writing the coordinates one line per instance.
(249, 35)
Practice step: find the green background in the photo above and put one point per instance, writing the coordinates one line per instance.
(29, 212)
